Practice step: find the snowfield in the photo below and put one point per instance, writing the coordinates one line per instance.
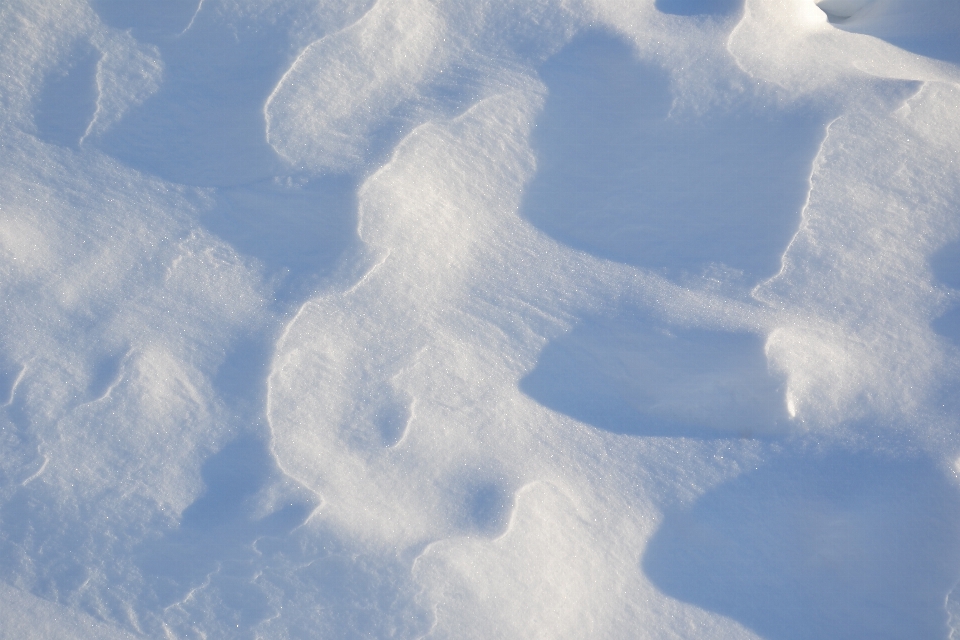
(441, 319)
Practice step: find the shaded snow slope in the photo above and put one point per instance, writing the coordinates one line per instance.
(434, 320)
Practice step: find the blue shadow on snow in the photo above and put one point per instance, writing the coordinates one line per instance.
(215, 540)
(633, 375)
(620, 178)
(205, 127)
(845, 545)
(68, 98)
(945, 265)
(925, 27)
(700, 7)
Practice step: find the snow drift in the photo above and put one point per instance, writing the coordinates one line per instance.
(542, 319)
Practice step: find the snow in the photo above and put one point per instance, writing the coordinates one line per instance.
(425, 319)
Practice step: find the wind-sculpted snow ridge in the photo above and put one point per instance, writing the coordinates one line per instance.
(556, 319)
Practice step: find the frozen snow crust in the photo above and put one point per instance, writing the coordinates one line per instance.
(433, 319)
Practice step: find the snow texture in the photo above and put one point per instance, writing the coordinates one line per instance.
(433, 319)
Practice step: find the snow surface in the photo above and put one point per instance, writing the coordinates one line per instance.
(439, 319)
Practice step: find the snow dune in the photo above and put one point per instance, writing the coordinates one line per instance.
(433, 320)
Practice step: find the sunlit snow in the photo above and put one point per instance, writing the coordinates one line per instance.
(442, 319)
